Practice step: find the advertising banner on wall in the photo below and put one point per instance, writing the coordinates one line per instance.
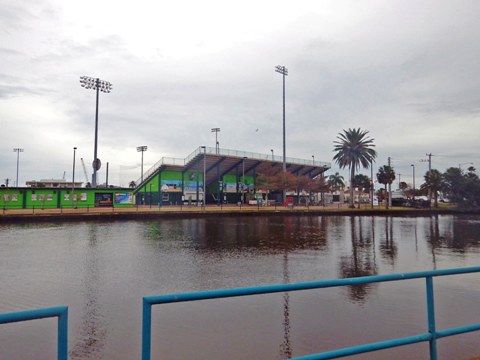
(230, 187)
(171, 186)
(103, 199)
(191, 186)
(124, 198)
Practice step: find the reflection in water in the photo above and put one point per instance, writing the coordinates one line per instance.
(388, 247)
(362, 260)
(464, 236)
(286, 350)
(433, 239)
(118, 263)
(264, 234)
(460, 236)
(93, 328)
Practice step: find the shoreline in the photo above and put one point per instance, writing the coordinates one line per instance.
(168, 212)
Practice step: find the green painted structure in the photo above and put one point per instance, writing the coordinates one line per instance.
(51, 198)
(227, 175)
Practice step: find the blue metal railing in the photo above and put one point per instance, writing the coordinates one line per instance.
(59, 311)
(431, 336)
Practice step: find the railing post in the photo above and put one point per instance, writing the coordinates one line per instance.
(146, 330)
(61, 312)
(431, 318)
(63, 335)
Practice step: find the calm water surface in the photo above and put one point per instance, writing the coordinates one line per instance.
(101, 270)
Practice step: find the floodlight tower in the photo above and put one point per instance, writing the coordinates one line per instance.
(106, 87)
(284, 72)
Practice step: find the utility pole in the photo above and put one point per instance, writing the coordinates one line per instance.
(429, 169)
(18, 151)
(372, 186)
(429, 161)
(413, 178)
(73, 174)
(389, 186)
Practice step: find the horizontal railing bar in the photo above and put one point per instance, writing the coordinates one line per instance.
(360, 349)
(148, 301)
(457, 330)
(27, 315)
(387, 344)
(267, 289)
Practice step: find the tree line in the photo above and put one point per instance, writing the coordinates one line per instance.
(354, 149)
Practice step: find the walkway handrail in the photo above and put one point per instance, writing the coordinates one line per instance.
(431, 335)
(59, 311)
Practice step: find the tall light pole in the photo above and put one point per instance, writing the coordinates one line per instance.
(141, 149)
(18, 151)
(413, 167)
(73, 173)
(204, 173)
(272, 153)
(313, 160)
(103, 86)
(243, 180)
(217, 145)
(284, 72)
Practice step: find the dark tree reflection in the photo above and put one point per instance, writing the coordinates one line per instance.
(362, 260)
(460, 235)
(388, 248)
(433, 238)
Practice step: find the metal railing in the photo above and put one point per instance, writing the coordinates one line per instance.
(255, 156)
(431, 336)
(162, 161)
(59, 311)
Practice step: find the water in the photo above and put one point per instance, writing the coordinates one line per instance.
(101, 270)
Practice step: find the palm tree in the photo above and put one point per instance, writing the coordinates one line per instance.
(336, 182)
(434, 183)
(362, 183)
(132, 184)
(354, 149)
(385, 176)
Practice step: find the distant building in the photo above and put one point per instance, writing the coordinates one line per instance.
(52, 183)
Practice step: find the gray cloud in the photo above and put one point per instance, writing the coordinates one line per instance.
(408, 74)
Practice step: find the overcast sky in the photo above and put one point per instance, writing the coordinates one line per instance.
(406, 71)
